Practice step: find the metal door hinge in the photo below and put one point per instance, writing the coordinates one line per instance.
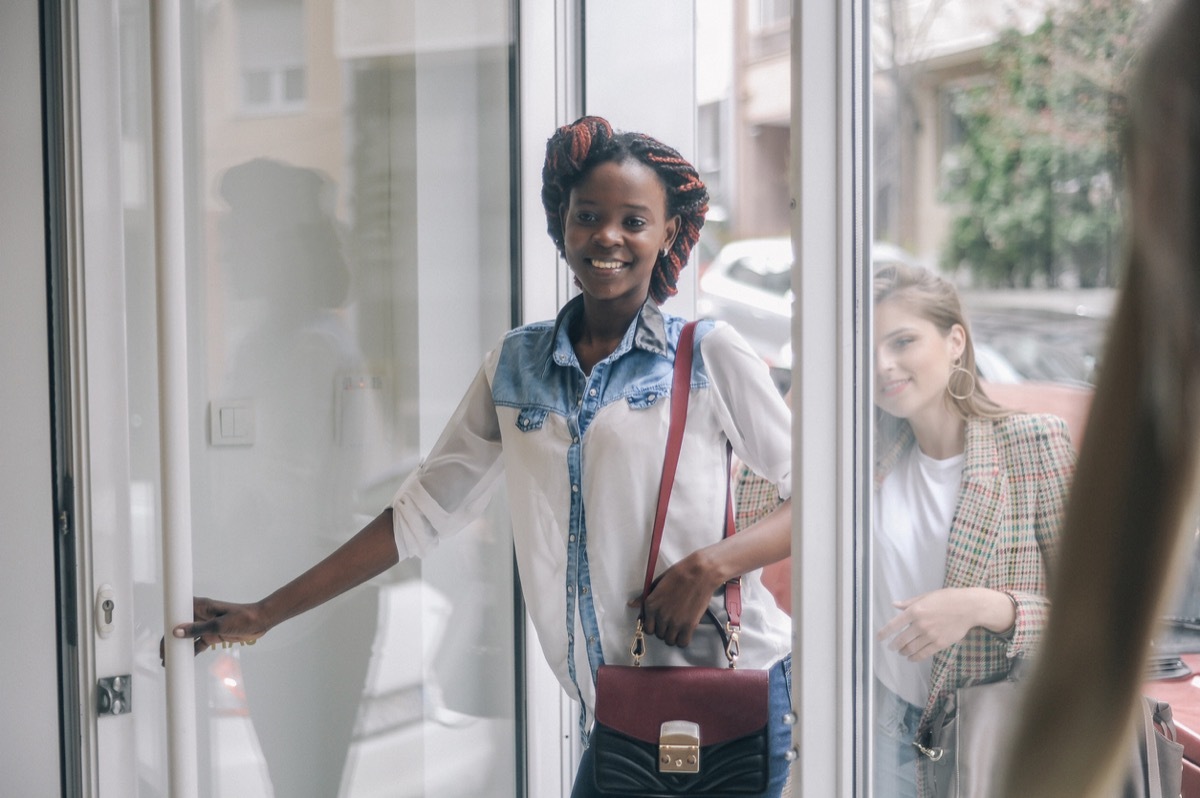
(114, 695)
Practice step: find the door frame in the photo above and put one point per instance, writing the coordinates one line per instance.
(86, 245)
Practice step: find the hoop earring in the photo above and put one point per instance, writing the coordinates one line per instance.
(956, 370)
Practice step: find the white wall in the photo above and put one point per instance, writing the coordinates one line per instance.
(28, 663)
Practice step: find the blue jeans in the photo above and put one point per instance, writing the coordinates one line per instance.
(896, 723)
(779, 705)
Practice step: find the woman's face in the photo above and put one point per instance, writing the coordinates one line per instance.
(913, 361)
(614, 226)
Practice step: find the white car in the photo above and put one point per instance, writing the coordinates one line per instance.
(749, 285)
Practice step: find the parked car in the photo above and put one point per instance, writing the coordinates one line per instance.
(1041, 344)
(749, 285)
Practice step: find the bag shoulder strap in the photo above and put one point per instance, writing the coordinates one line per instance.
(681, 384)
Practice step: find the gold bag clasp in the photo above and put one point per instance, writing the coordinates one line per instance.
(679, 747)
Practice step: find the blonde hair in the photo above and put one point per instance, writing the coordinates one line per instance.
(934, 298)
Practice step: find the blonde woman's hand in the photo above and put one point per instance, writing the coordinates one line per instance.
(934, 621)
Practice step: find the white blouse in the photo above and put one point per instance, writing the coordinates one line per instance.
(582, 459)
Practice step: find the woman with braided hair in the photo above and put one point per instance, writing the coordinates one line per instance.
(573, 413)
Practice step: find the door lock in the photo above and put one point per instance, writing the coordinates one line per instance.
(104, 611)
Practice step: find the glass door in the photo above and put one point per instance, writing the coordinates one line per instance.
(996, 163)
(349, 227)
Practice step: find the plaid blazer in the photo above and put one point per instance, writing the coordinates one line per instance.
(1004, 536)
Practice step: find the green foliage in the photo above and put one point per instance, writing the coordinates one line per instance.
(1034, 184)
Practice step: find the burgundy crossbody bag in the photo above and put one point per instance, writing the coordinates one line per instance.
(663, 731)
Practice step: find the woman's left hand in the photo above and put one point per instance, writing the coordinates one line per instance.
(678, 600)
(934, 621)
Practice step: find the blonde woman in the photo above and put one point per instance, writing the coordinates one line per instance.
(968, 502)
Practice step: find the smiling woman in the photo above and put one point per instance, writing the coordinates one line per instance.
(571, 413)
(957, 475)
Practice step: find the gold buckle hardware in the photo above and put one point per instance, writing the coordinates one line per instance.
(679, 747)
(638, 649)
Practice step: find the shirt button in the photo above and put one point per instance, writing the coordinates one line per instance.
(583, 590)
(575, 439)
(571, 538)
(574, 488)
(591, 639)
(650, 396)
(592, 392)
(570, 589)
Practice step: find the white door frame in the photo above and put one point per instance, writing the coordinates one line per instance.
(549, 53)
(96, 271)
(830, 394)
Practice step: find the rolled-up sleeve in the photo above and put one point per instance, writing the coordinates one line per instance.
(753, 415)
(452, 485)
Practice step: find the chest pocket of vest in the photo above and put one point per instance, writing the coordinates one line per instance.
(644, 399)
(531, 418)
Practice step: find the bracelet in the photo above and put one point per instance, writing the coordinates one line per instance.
(1016, 611)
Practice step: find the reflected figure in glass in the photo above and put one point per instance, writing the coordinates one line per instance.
(284, 489)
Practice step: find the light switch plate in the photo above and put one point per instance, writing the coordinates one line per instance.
(231, 422)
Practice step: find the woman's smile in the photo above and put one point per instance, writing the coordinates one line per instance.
(893, 388)
(607, 265)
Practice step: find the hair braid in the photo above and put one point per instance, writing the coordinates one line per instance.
(575, 149)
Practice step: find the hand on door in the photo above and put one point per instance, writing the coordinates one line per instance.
(368, 554)
(220, 622)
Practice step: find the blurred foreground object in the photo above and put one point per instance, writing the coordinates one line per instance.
(1135, 486)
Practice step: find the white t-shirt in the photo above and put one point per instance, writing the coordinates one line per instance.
(914, 507)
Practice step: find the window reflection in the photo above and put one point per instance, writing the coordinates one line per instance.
(271, 55)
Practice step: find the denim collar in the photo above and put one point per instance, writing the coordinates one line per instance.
(648, 331)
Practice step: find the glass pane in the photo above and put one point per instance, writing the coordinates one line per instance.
(996, 165)
(745, 250)
(744, 257)
(349, 268)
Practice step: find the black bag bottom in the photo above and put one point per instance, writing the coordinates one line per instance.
(625, 766)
